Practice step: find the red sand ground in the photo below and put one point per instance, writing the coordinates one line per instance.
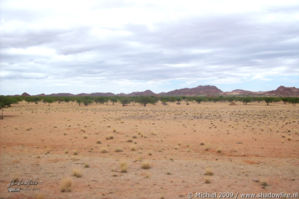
(247, 149)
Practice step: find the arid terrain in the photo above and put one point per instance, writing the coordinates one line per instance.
(157, 151)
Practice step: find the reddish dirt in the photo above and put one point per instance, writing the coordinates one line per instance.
(247, 149)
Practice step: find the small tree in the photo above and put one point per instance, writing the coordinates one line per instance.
(48, 100)
(146, 100)
(198, 99)
(33, 99)
(285, 100)
(2, 107)
(86, 102)
(6, 102)
(79, 101)
(246, 100)
(113, 100)
(178, 100)
(164, 101)
(124, 101)
(293, 100)
(101, 100)
(268, 100)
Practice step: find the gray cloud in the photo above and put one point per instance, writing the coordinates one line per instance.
(195, 47)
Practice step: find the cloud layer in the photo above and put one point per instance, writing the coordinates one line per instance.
(124, 46)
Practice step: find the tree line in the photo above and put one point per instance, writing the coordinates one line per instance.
(6, 101)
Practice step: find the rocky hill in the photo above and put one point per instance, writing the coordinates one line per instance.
(199, 90)
(285, 92)
(144, 93)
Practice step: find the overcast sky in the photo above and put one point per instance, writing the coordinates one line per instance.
(133, 45)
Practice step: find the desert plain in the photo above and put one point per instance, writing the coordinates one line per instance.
(159, 151)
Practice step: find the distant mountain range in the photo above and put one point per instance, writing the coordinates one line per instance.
(199, 90)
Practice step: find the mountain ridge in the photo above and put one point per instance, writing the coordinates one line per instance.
(205, 90)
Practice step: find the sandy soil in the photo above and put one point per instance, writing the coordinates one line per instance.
(207, 147)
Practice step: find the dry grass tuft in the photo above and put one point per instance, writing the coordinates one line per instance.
(39, 196)
(77, 173)
(66, 185)
(264, 184)
(118, 150)
(209, 172)
(133, 149)
(104, 151)
(123, 167)
(232, 103)
(145, 165)
(207, 181)
(109, 138)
